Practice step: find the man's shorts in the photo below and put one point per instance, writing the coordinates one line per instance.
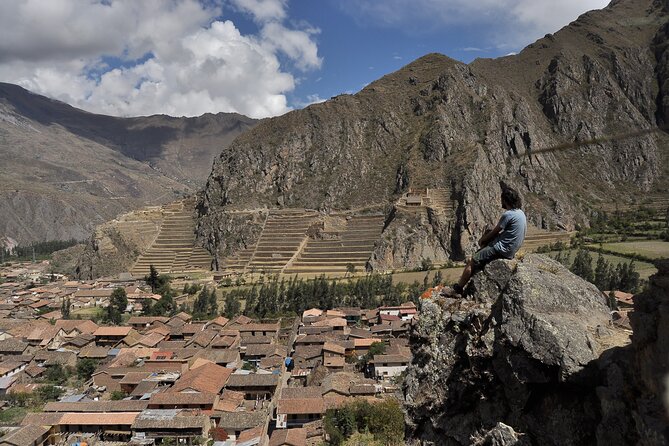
(484, 256)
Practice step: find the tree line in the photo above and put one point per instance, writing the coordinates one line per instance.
(605, 275)
(294, 295)
(42, 249)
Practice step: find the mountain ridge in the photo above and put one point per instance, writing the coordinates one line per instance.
(67, 170)
(465, 128)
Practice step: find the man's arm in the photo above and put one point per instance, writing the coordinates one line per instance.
(490, 236)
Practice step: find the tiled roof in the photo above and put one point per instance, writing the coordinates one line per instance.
(96, 406)
(208, 378)
(112, 331)
(170, 419)
(185, 398)
(101, 419)
(25, 436)
(241, 420)
(289, 437)
(253, 380)
(288, 393)
(379, 359)
(334, 348)
(301, 406)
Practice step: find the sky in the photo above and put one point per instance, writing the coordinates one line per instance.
(259, 58)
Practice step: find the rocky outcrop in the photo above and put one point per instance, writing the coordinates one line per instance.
(439, 123)
(529, 357)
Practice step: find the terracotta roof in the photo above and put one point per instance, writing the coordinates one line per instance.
(151, 340)
(301, 406)
(185, 398)
(229, 400)
(134, 377)
(112, 331)
(362, 389)
(102, 419)
(96, 406)
(9, 365)
(241, 420)
(146, 320)
(221, 321)
(83, 326)
(334, 361)
(13, 345)
(312, 312)
(41, 419)
(291, 393)
(332, 347)
(258, 327)
(25, 436)
(289, 437)
(253, 380)
(251, 434)
(379, 359)
(209, 378)
(242, 320)
(170, 419)
(93, 351)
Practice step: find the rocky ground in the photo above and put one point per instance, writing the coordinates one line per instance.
(529, 357)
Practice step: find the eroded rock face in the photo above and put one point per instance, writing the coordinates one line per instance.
(529, 357)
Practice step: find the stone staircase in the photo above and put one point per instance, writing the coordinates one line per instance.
(352, 245)
(174, 249)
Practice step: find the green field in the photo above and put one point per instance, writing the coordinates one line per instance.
(654, 249)
(644, 269)
(450, 275)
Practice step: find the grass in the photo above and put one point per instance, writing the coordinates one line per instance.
(655, 249)
(86, 313)
(644, 269)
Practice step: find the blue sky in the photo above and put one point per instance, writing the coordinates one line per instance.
(256, 57)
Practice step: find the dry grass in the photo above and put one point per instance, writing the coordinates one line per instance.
(655, 249)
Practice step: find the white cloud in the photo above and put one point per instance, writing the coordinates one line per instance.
(178, 56)
(517, 22)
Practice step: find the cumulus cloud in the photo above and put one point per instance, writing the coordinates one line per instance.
(510, 22)
(179, 57)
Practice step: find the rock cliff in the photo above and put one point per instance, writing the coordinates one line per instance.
(529, 357)
(440, 123)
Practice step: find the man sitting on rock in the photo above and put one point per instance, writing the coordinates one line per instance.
(502, 242)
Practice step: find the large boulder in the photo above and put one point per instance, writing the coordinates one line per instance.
(513, 362)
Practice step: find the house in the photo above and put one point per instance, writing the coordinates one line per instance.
(143, 322)
(209, 378)
(168, 400)
(252, 437)
(109, 425)
(110, 336)
(96, 406)
(388, 366)
(254, 385)
(254, 329)
(296, 412)
(289, 437)
(234, 423)
(256, 352)
(11, 367)
(13, 346)
(27, 436)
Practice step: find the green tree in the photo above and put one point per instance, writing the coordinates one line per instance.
(426, 264)
(65, 308)
(152, 278)
(212, 304)
(438, 278)
(602, 273)
(49, 392)
(117, 395)
(582, 265)
(118, 302)
(86, 367)
(232, 305)
(350, 269)
(56, 374)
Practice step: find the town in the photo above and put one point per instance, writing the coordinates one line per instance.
(173, 379)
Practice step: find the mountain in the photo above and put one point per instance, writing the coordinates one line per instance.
(65, 170)
(463, 130)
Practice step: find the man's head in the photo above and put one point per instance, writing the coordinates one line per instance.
(511, 199)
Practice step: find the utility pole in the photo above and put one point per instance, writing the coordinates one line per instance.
(34, 254)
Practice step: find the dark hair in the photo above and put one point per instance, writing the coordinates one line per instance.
(511, 197)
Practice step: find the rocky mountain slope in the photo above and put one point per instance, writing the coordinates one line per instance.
(530, 357)
(65, 171)
(465, 128)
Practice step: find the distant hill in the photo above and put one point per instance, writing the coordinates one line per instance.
(65, 170)
(463, 129)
